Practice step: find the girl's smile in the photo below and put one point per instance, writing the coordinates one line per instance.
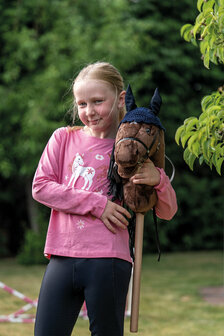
(98, 107)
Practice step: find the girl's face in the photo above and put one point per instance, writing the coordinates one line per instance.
(98, 107)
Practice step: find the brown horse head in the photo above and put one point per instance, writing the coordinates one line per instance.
(140, 136)
(134, 143)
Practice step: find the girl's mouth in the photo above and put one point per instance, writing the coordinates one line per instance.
(93, 122)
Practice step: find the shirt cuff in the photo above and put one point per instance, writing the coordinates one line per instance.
(99, 208)
(163, 178)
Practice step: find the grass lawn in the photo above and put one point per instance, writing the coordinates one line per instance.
(171, 304)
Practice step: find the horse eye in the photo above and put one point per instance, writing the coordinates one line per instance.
(148, 131)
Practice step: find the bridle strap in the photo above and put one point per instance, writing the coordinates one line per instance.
(148, 149)
(134, 139)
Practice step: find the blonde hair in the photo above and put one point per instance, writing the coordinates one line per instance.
(102, 71)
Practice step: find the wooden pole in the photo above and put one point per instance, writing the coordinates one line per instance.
(137, 272)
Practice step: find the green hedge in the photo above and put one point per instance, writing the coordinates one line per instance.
(32, 250)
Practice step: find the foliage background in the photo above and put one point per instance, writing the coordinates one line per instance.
(43, 46)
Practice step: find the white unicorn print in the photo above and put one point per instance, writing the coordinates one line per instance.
(78, 169)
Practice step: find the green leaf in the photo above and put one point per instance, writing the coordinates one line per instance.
(199, 4)
(214, 157)
(186, 121)
(218, 165)
(193, 138)
(212, 40)
(186, 32)
(213, 108)
(203, 46)
(191, 160)
(195, 29)
(205, 102)
(213, 56)
(220, 114)
(208, 5)
(191, 124)
(201, 159)
(195, 148)
(185, 28)
(205, 149)
(199, 18)
(185, 137)
(186, 154)
(178, 134)
(206, 58)
(219, 150)
(194, 42)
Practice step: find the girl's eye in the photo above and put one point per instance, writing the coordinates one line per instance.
(148, 131)
(82, 104)
(99, 101)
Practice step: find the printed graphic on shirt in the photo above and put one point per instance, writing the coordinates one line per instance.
(80, 224)
(78, 169)
(99, 157)
(99, 191)
(102, 172)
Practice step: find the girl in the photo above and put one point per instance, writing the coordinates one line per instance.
(87, 239)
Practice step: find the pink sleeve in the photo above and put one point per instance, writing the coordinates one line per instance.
(49, 191)
(166, 206)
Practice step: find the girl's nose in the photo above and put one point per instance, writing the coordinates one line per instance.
(89, 110)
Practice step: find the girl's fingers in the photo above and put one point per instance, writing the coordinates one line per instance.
(115, 214)
(121, 222)
(139, 181)
(109, 226)
(137, 176)
(122, 210)
(147, 175)
(121, 218)
(115, 221)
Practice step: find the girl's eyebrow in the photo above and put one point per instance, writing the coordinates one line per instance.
(91, 98)
(97, 97)
(79, 101)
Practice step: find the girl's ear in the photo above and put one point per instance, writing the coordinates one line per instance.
(121, 99)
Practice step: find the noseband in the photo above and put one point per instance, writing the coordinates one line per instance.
(148, 149)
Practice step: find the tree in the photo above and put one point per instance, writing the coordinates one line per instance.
(204, 136)
(43, 46)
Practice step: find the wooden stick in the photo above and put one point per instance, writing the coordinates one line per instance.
(137, 272)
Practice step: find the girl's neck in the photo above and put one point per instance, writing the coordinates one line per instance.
(111, 134)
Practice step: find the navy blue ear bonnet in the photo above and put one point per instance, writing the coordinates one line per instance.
(142, 114)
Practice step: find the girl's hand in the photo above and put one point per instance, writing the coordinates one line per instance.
(147, 174)
(115, 214)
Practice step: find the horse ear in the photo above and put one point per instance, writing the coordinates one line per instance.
(129, 99)
(156, 102)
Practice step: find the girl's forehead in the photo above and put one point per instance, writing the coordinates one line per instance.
(91, 86)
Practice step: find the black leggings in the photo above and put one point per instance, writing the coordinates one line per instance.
(101, 282)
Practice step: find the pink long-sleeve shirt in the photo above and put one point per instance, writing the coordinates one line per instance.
(71, 179)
